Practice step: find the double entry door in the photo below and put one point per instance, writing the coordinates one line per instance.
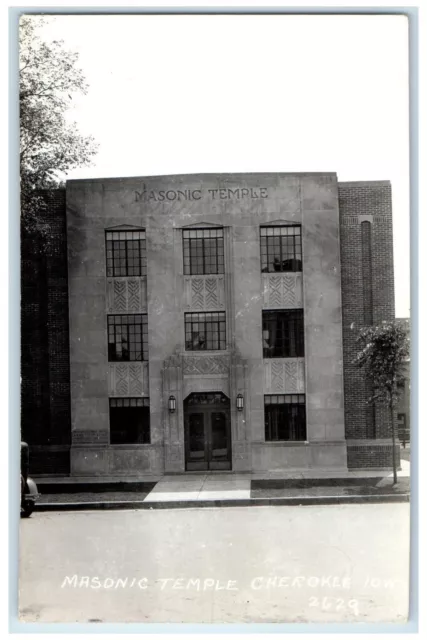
(207, 432)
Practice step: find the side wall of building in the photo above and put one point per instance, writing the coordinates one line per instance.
(368, 298)
(45, 377)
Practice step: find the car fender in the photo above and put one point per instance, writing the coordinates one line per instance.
(31, 487)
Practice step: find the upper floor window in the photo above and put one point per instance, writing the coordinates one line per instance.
(283, 334)
(205, 331)
(127, 338)
(126, 253)
(203, 251)
(281, 249)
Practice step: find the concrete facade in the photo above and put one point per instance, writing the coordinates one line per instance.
(239, 204)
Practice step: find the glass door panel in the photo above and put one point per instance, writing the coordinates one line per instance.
(219, 450)
(207, 432)
(197, 442)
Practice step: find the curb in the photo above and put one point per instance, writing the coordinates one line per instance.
(197, 504)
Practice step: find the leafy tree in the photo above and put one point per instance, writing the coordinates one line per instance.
(49, 146)
(383, 354)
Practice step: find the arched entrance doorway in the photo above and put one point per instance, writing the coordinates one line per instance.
(207, 432)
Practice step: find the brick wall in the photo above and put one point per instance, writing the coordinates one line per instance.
(371, 456)
(364, 285)
(45, 385)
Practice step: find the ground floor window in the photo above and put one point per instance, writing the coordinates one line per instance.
(129, 421)
(285, 417)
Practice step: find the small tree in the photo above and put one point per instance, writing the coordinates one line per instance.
(49, 145)
(383, 354)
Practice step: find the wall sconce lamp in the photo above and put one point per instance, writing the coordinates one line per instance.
(172, 404)
(239, 402)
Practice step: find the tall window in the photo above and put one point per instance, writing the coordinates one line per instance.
(205, 331)
(203, 251)
(281, 248)
(126, 253)
(129, 421)
(284, 417)
(283, 334)
(127, 338)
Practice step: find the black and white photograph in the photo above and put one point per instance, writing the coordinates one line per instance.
(215, 319)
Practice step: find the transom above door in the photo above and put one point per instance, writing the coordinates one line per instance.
(207, 432)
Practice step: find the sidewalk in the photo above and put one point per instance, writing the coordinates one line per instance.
(221, 489)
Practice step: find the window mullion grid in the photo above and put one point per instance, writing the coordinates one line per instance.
(296, 252)
(118, 259)
(276, 418)
(284, 330)
(140, 256)
(192, 265)
(269, 429)
(116, 335)
(214, 256)
(267, 424)
(137, 333)
(129, 346)
(207, 335)
(114, 259)
(304, 420)
(290, 421)
(282, 240)
(282, 421)
(204, 256)
(144, 346)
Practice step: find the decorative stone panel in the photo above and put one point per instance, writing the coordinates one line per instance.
(204, 293)
(206, 365)
(128, 379)
(282, 290)
(284, 375)
(126, 295)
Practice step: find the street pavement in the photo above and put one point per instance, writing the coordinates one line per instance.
(344, 563)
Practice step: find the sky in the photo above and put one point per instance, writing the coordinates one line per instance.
(208, 94)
